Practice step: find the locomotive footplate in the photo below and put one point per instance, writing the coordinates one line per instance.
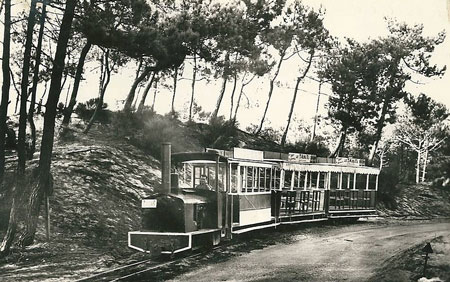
(157, 243)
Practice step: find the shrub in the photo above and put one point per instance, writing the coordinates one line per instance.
(308, 147)
(388, 188)
(439, 172)
(86, 110)
(220, 134)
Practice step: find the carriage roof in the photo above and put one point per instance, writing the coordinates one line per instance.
(288, 161)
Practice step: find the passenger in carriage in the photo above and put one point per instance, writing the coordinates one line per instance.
(204, 184)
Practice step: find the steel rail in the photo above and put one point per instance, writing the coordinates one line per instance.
(115, 275)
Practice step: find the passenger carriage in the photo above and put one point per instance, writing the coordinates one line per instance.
(247, 190)
(316, 188)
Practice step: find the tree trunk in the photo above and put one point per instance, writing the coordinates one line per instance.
(241, 92)
(21, 149)
(144, 95)
(380, 126)
(10, 233)
(291, 111)
(271, 87)
(44, 180)
(194, 77)
(340, 145)
(313, 134)
(232, 96)
(425, 162)
(139, 68)
(219, 100)
(382, 160)
(131, 94)
(13, 219)
(137, 97)
(299, 79)
(419, 155)
(175, 80)
(238, 102)
(38, 110)
(76, 83)
(6, 85)
(36, 80)
(154, 95)
(224, 86)
(106, 77)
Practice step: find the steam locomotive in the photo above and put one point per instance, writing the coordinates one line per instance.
(213, 195)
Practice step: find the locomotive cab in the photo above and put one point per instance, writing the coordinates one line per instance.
(187, 211)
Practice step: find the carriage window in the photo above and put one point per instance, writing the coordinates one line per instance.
(250, 176)
(276, 178)
(372, 181)
(299, 179)
(323, 179)
(268, 172)
(256, 178)
(234, 179)
(242, 180)
(334, 180)
(347, 181)
(351, 180)
(287, 179)
(361, 180)
(262, 179)
(312, 179)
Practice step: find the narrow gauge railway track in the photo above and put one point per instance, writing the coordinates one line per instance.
(133, 270)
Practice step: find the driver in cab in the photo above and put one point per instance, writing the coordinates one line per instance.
(204, 184)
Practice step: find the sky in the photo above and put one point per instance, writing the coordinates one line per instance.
(360, 20)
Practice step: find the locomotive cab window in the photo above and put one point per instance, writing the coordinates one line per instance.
(207, 177)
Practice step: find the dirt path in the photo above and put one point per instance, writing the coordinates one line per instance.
(351, 253)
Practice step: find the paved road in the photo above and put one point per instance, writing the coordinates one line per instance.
(350, 253)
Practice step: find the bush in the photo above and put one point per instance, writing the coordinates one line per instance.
(86, 110)
(308, 147)
(129, 125)
(388, 187)
(220, 134)
(439, 172)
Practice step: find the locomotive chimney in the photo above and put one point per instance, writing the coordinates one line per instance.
(165, 167)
